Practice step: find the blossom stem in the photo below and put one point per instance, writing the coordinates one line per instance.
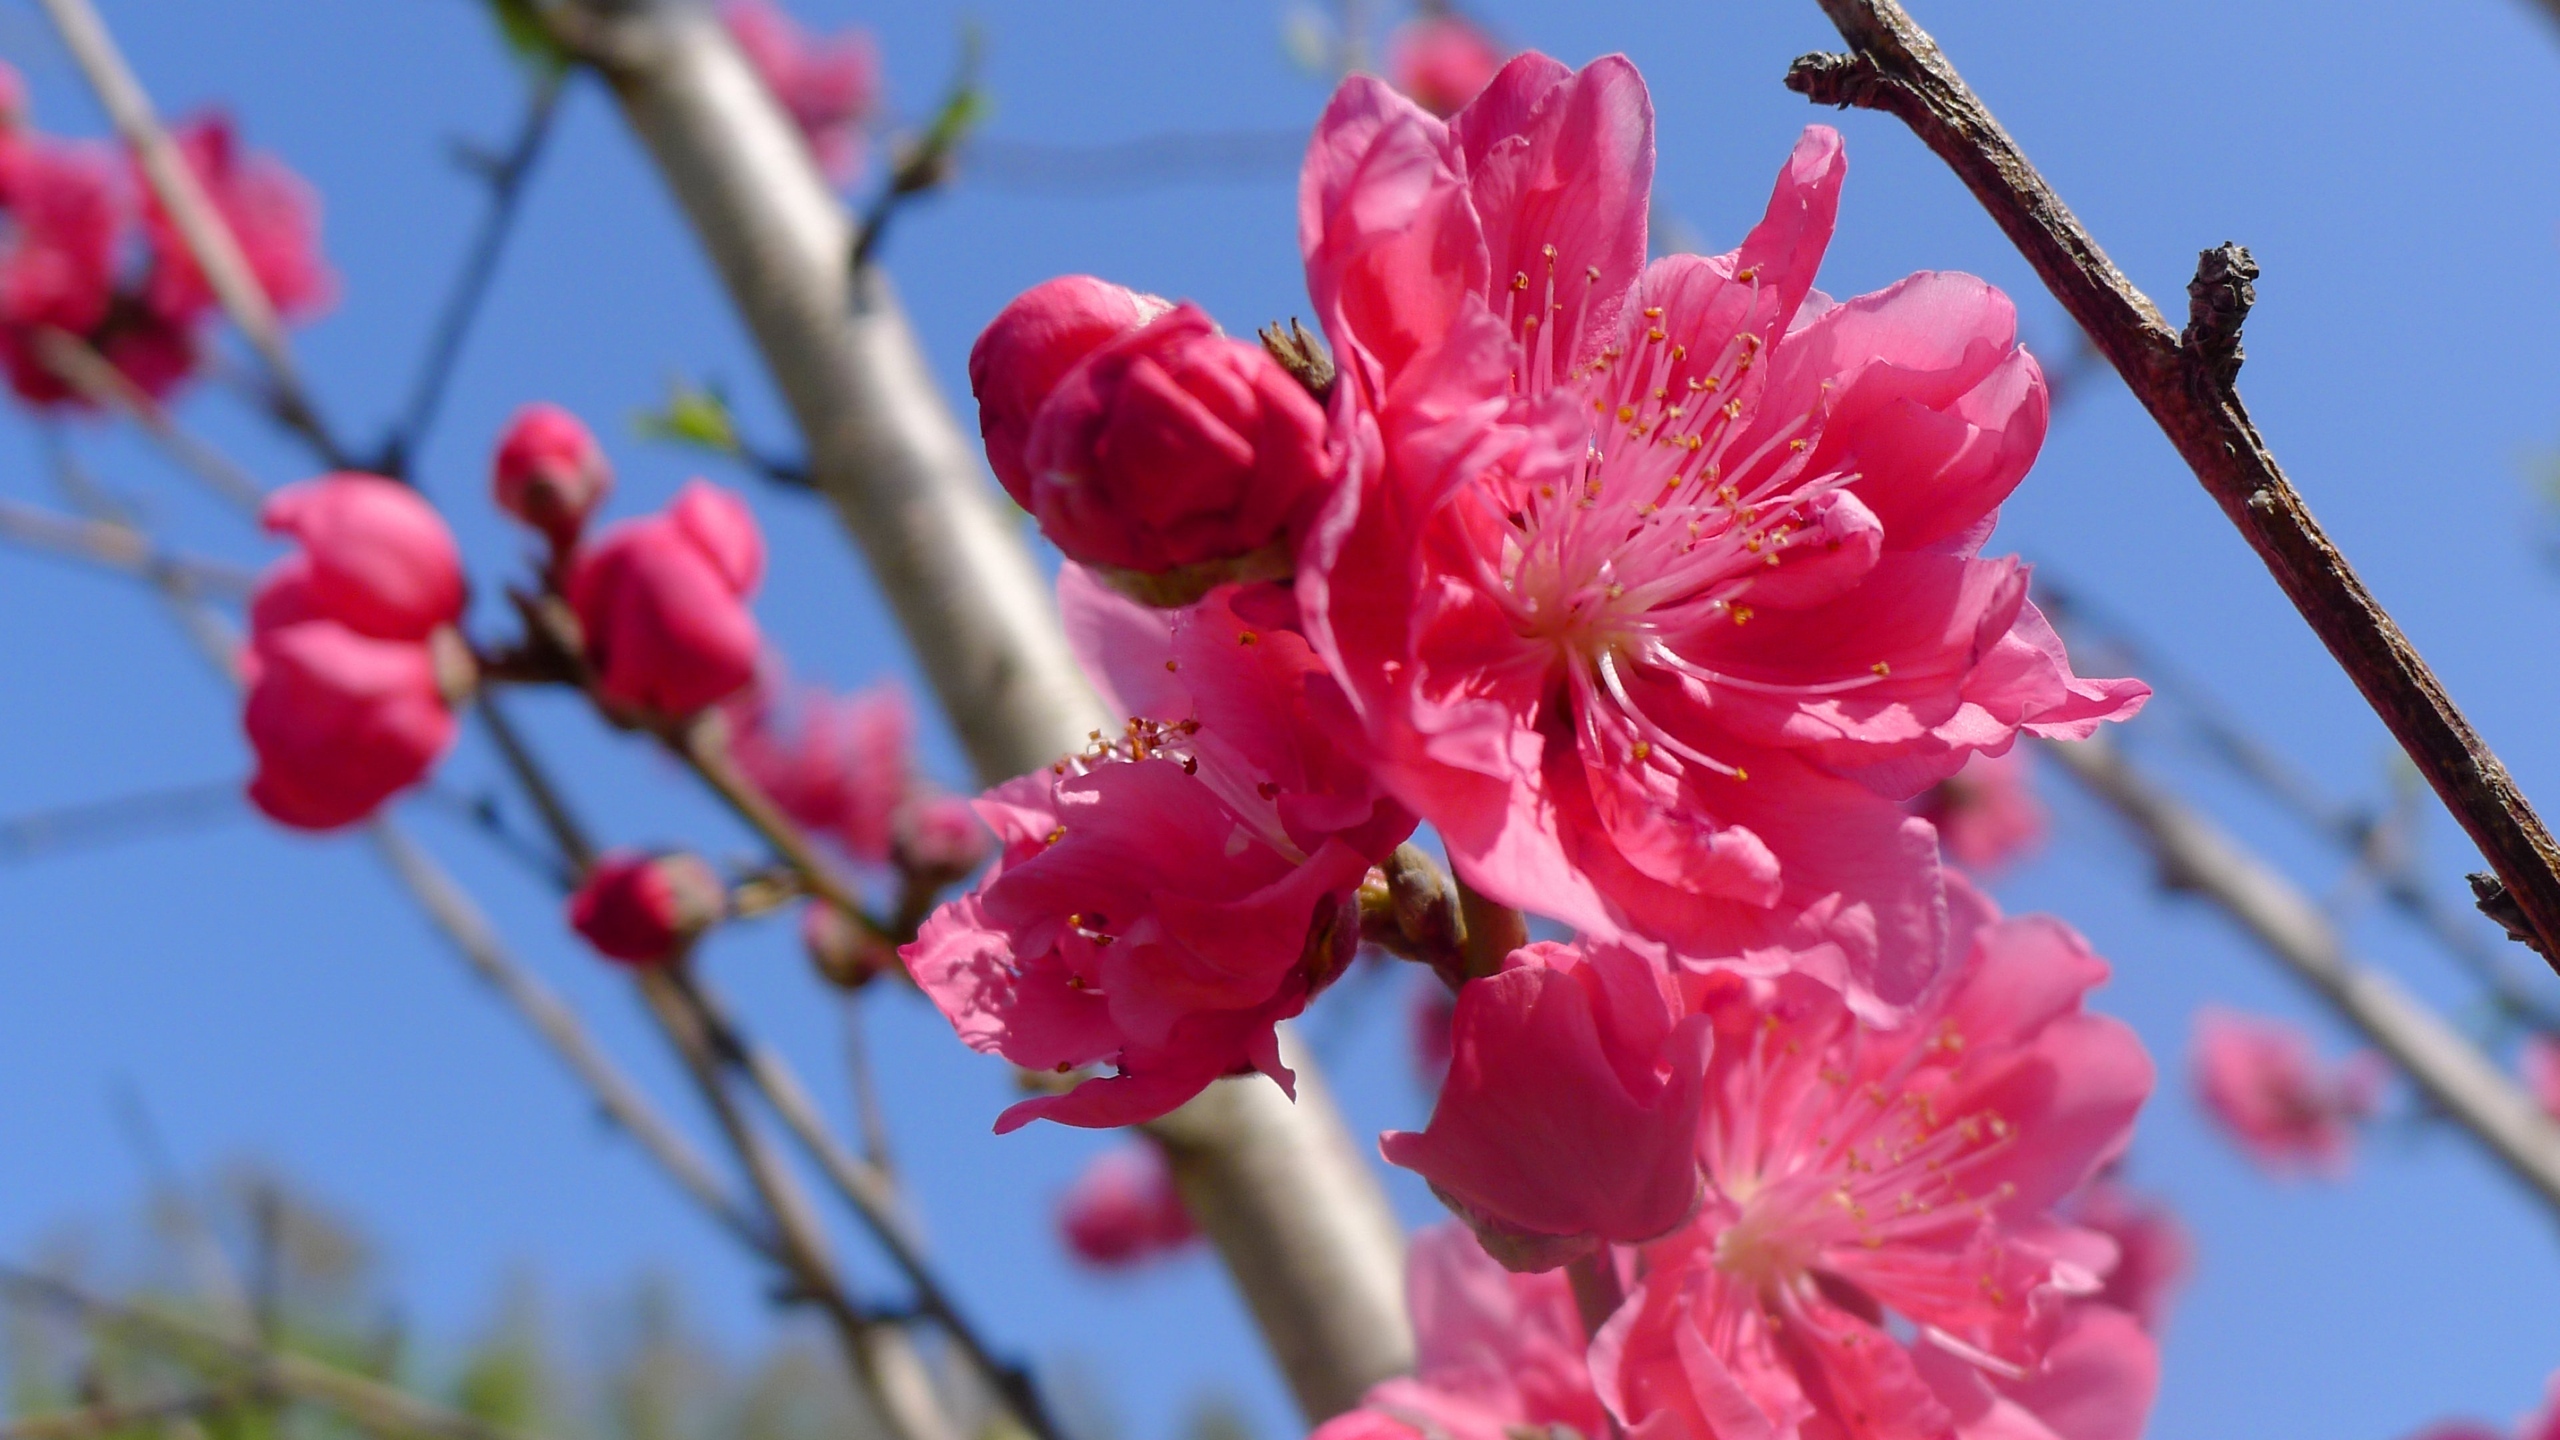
(1488, 931)
(2186, 381)
(1597, 1291)
(703, 746)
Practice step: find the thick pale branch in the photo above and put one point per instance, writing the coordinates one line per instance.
(2185, 381)
(2196, 856)
(1282, 1190)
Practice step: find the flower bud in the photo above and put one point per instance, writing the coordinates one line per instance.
(550, 473)
(1441, 61)
(340, 721)
(644, 909)
(1174, 458)
(375, 556)
(939, 837)
(1030, 346)
(662, 603)
(846, 955)
(1124, 1211)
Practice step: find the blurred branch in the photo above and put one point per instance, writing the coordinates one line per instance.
(2355, 829)
(1146, 163)
(2186, 380)
(208, 238)
(1283, 1191)
(2197, 857)
(118, 548)
(78, 364)
(506, 176)
(100, 822)
(369, 1403)
(101, 1420)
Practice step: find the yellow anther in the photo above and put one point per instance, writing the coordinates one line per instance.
(1742, 614)
(1881, 669)
(1641, 750)
(1796, 446)
(1653, 312)
(1519, 279)
(1626, 413)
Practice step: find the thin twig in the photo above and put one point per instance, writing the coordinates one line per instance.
(118, 548)
(208, 237)
(78, 364)
(41, 832)
(2186, 381)
(880, 1356)
(2196, 856)
(620, 1099)
(370, 1403)
(866, 1090)
(702, 744)
(506, 180)
(2352, 828)
(873, 1197)
(93, 1421)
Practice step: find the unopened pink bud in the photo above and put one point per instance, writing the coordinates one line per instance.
(549, 472)
(1442, 61)
(1030, 346)
(340, 721)
(662, 603)
(644, 909)
(1124, 1211)
(375, 557)
(1178, 454)
(845, 954)
(940, 837)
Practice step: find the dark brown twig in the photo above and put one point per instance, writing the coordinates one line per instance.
(2185, 381)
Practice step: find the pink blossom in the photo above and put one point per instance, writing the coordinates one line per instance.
(1656, 586)
(644, 909)
(58, 270)
(662, 602)
(2154, 1253)
(1878, 1195)
(1497, 1354)
(549, 472)
(1162, 901)
(2539, 1062)
(340, 721)
(2259, 1079)
(1030, 346)
(272, 212)
(1987, 814)
(828, 85)
(370, 554)
(841, 765)
(1569, 1118)
(1172, 458)
(2096, 1382)
(1441, 61)
(1123, 1211)
(1434, 1011)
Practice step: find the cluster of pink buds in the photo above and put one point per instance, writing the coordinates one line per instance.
(1656, 590)
(91, 254)
(356, 662)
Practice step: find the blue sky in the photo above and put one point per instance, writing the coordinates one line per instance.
(266, 995)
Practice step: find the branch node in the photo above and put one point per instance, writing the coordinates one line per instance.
(2218, 300)
(1826, 78)
(2490, 894)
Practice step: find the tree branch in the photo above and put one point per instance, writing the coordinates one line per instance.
(118, 548)
(370, 1403)
(1284, 1193)
(2185, 381)
(2196, 856)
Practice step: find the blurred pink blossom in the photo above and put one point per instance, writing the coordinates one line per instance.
(662, 602)
(1441, 61)
(1987, 814)
(273, 213)
(1123, 1211)
(2259, 1079)
(829, 85)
